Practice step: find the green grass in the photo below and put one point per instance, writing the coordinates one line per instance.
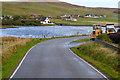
(9, 65)
(102, 58)
(56, 9)
(4, 27)
(85, 21)
(83, 40)
(73, 23)
(69, 36)
(105, 37)
(53, 9)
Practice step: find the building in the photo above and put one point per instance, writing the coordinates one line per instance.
(6, 17)
(1, 17)
(71, 19)
(88, 15)
(96, 16)
(102, 15)
(63, 16)
(76, 16)
(45, 20)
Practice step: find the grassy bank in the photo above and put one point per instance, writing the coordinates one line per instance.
(52, 9)
(25, 22)
(10, 26)
(101, 57)
(14, 55)
(70, 36)
(13, 26)
(86, 21)
(83, 40)
(106, 38)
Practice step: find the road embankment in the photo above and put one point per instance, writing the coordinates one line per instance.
(105, 59)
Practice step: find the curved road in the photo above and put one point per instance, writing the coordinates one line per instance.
(53, 59)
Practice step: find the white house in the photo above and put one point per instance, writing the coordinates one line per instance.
(45, 21)
(88, 15)
(63, 15)
(1, 17)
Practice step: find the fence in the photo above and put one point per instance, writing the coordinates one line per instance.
(11, 42)
(107, 44)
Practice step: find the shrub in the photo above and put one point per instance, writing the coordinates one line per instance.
(104, 37)
(100, 53)
(115, 37)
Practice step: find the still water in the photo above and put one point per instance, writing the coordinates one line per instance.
(46, 31)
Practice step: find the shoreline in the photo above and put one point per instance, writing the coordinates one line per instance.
(13, 26)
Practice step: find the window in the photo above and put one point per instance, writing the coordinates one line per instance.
(93, 33)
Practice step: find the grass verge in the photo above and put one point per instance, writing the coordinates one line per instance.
(10, 26)
(70, 36)
(104, 59)
(10, 64)
(83, 40)
(104, 37)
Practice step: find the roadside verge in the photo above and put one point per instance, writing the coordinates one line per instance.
(95, 54)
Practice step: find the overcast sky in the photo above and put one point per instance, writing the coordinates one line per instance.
(95, 3)
(88, 3)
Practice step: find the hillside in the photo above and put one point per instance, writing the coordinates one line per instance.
(57, 8)
(50, 8)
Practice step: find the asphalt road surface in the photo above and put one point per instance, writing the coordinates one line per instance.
(53, 59)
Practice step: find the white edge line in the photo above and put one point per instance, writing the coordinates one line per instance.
(90, 65)
(21, 62)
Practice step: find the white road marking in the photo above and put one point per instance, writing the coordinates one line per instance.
(22, 62)
(90, 65)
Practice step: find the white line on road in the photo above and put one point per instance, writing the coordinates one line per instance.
(22, 62)
(90, 65)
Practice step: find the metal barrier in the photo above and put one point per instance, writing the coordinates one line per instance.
(107, 44)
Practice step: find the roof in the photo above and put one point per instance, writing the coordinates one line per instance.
(109, 24)
(69, 18)
(41, 19)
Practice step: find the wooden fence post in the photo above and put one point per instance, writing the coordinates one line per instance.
(119, 49)
(11, 42)
(8, 43)
(2, 45)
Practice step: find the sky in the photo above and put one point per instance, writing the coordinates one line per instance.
(87, 3)
(95, 3)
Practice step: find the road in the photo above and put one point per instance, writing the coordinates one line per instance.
(53, 59)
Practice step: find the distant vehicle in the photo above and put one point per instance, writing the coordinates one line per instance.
(96, 31)
(110, 29)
